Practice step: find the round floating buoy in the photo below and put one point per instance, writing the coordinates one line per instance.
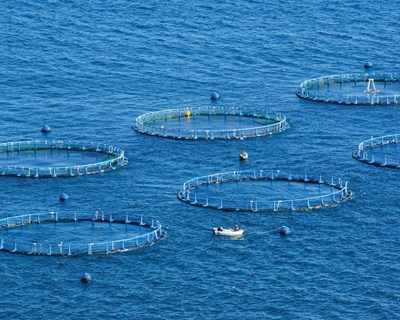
(243, 155)
(368, 65)
(45, 129)
(63, 196)
(214, 96)
(86, 278)
(284, 231)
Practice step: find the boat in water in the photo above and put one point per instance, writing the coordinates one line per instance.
(220, 231)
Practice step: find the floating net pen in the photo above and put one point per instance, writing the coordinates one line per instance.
(43, 159)
(353, 89)
(244, 191)
(211, 123)
(380, 151)
(73, 234)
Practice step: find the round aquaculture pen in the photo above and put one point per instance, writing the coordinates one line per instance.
(43, 159)
(264, 191)
(380, 151)
(211, 123)
(73, 234)
(353, 89)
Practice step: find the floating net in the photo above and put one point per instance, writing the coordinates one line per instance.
(211, 123)
(72, 234)
(353, 89)
(380, 151)
(263, 191)
(42, 159)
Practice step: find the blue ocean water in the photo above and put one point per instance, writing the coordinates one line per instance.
(88, 68)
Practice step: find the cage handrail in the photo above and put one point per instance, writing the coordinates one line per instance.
(309, 89)
(341, 187)
(75, 248)
(362, 152)
(117, 158)
(279, 125)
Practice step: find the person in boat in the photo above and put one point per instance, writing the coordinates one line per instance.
(236, 228)
(220, 229)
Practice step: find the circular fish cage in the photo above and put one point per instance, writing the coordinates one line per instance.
(74, 234)
(353, 89)
(45, 159)
(281, 192)
(211, 123)
(380, 151)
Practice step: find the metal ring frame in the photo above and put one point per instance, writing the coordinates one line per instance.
(116, 158)
(339, 192)
(153, 235)
(318, 89)
(153, 123)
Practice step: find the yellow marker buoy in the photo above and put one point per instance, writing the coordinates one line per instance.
(188, 114)
(243, 155)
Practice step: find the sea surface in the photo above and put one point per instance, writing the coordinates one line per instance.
(89, 68)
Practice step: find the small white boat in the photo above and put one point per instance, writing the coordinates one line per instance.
(228, 231)
(243, 155)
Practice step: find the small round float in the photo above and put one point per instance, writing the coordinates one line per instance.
(243, 155)
(264, 191)
(353, 89)
(379, 151)
(214, 96)
(63, 196)
(284, 231)
(45, 129)
(216, 122)
(44, 159)
(368, 65)
(86, 278)
(73, 234)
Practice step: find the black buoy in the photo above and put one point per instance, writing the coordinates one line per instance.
(45, 129)
(86, 278)
(214, 96)
(284, 231)
(63, 196)
(368, 65)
